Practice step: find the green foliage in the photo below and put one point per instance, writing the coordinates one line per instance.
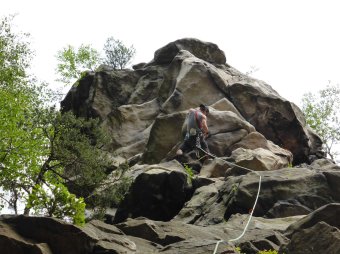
(60, 149)
(74, 157)
(73, 62)
(58, 202)
(238, 250)
(22, 145)
(77, 147)
(190, 173)
(267, 252)
(234, 188)
(41, 150)
(15, 55)
(321, 112)
(111, 192)
(118, 186)
(117, 54)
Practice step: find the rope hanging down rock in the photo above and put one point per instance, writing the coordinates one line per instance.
(251, 214)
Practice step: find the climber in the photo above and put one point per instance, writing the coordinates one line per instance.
(196, 130)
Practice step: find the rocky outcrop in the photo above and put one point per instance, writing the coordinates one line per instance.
(283, 123)
(320, 230)
(141, 235)
(218, 209)
(303, 189)
(225, 130)
(185, 204)
(259, 159)
(158, 193)
(320, 237)
(206, 51)
(21, 234)
(144, 108)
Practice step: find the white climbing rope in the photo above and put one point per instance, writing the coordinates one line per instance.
(252, 211)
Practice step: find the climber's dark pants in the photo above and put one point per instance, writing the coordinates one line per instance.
(191, 142)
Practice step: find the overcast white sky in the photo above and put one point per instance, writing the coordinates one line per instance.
(294, 43)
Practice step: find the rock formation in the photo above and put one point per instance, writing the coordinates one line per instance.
(143, 109)
(168, 210)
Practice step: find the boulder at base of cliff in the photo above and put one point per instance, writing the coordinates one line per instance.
(158, 193)
(44, 235)
(318, 232)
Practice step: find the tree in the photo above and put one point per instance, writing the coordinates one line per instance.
(72, 62)
(321, 112)
(74, 155)
(17, 102)
(117, 54)
(110, 192)
(55, 149)
(42, 150)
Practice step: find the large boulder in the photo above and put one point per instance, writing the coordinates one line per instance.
(96, 94)
(43, 235)
(320, 238)
(256, 140)
(324, 165)
(217, 202)
(213, 168)
(328, 213)
(259, 159)
(299, 186)
(256, 152)
(11, 242)
(206, 51)
(277, 119)
(318, 232)
(176, 236)
(159, 193)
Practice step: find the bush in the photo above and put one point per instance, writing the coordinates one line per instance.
(267, 252)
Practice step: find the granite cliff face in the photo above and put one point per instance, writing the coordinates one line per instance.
(166, 209)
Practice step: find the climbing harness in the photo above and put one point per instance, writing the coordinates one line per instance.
(252, 210)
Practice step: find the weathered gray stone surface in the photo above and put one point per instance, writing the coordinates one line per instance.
(214, 168)
(157, 193)
(256, 140)
(328, 213)
(184, 74)
(12, 242)
(320, 237)
(204, 50)
(21, 234)
(259, 159)
(214, 203)
(277, 119)
(171, 208)
(302, 186)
